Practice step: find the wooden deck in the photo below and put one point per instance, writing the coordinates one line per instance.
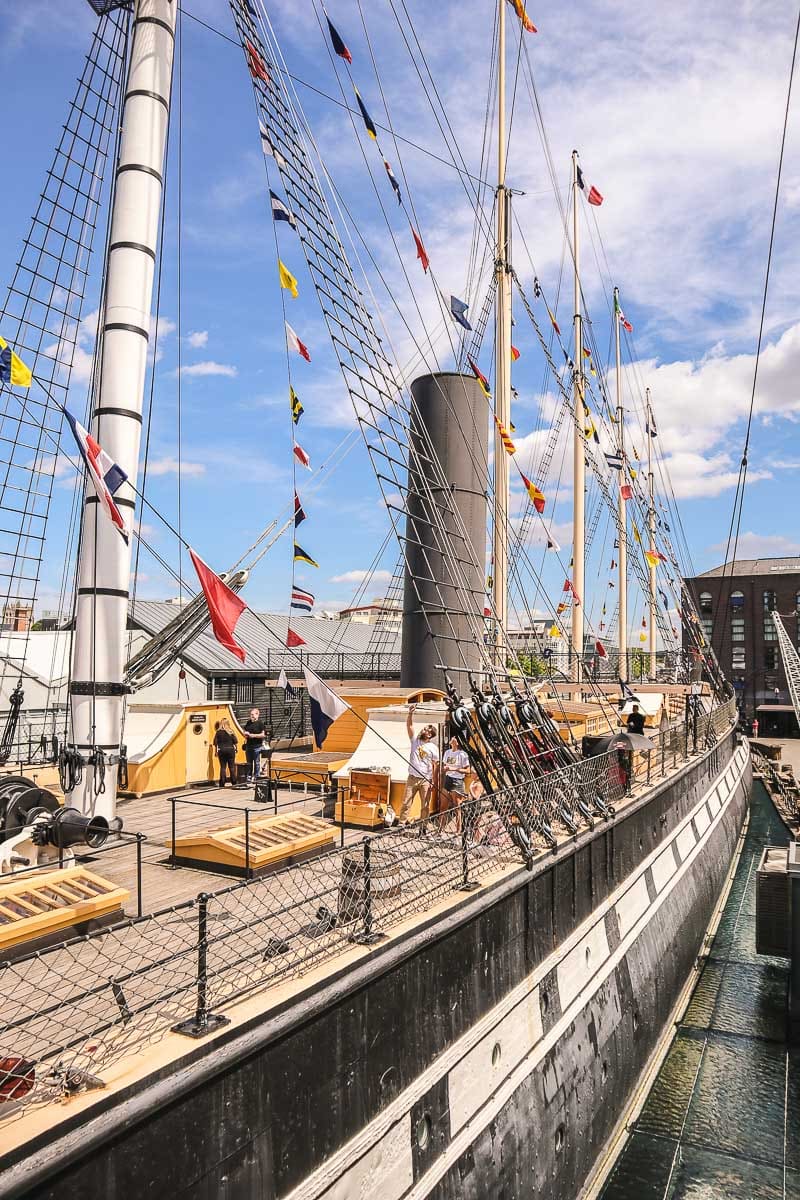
(162, 884)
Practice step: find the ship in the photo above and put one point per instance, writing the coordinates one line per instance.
(457, 1006)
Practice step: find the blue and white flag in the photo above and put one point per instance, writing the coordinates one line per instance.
(106, 476)
(290, 693)
(279, 210)
(325, 706)
(458, 310)
(302, 599)
(614, 461)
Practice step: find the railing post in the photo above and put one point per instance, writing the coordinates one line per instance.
(173, 865)
(203, 1021)
(368, 936)
(663, 753)
(139, 838)
(247, 873)
(467, 884)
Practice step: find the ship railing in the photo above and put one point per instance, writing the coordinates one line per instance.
(70, 1012)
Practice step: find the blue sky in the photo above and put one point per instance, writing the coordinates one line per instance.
(678, 123)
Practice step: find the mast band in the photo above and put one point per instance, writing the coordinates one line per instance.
(121, 325)
(101, 591)
(133, 246)
(120, 501)
(118, 412)
(87, 687)
(148, 96)
(154, 21)
(141, 167)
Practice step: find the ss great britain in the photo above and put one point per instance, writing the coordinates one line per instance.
(455, 1005)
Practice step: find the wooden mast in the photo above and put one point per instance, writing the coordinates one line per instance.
(622, 522)
(651, 520)
(502, 388)
(578, 452)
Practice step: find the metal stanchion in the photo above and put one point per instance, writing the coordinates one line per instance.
(368, 936)
(203, 1021)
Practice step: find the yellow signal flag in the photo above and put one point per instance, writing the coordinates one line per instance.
(642, 637)
(636, 536)
(652, 559)
(505, 437)
(12, 369)
(287, 279)
(554, 631)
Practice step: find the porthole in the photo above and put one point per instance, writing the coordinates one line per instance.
(635, 1019)
(545, 1002)
(588, 955)
(604, 1072)
(423, 1131)
(559, 1139)
(497, 1054)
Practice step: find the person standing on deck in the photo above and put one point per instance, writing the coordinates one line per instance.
(254, 731)
(455, 763)
(225, 744)
(423, 769)
(635, 720)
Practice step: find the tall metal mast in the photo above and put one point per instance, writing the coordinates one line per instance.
(651, 521)
(622, 521)
(578, 457)
(502, 387)
(97, 689)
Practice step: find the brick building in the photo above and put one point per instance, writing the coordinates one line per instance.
(735, 612)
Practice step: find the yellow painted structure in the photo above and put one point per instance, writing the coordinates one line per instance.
(46, 903)
(171, 746)
(273, 842)
(347, 730)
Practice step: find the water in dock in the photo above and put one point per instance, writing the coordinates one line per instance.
(722, 1119)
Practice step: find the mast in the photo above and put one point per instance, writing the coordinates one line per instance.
(578, 458)
(651, 521)
(502, 388)
(622, 521)
(97, 689)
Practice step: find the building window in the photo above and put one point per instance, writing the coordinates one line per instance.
(770, 658)
(769, 602)
(770, 634)
(737, 658)
(737, 599)
(737, 629)
(244, 691)
(797, 603)
(708, 626)
(705, 601)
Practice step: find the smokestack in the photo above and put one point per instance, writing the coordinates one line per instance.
(439, 624)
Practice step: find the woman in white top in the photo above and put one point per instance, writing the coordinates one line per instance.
(455, 766)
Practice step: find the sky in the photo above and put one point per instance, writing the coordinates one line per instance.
(678, 122)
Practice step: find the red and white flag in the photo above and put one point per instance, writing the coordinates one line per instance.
(106, 476)
(301, 456)
(224, 606)
(294, 343)
(591, 193)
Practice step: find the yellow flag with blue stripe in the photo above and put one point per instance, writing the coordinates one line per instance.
(12, 368)
(287, 279)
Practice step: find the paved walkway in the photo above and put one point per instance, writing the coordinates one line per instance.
(722, 1120)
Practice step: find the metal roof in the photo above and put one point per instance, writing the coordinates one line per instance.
(754, 566)
(329, 645)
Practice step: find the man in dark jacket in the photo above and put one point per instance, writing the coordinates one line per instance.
(635, 720)
(255, 731)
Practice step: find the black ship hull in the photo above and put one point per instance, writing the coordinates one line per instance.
(487, 1050)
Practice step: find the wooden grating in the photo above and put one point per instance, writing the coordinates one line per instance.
(271, 839)
(42, 904)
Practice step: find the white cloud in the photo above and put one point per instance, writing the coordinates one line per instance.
(375, 577)
(170, 466)
(761, 545)
(198, 339)
(209, 367)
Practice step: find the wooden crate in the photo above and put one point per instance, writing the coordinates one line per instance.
(274, 842)
(43, 904)
(365, 800)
